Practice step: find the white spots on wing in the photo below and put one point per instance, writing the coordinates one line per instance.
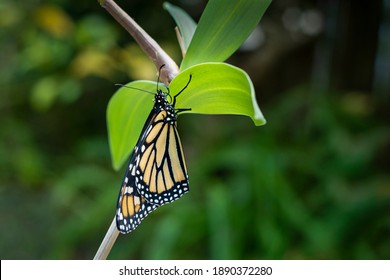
(129, 190)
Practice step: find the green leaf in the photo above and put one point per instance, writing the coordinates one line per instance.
(223, 27)
(217, 88)
(185, 23)
(127, 112)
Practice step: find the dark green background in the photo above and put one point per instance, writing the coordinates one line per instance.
(311, 184)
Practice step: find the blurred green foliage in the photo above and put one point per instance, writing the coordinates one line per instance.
(312, 184)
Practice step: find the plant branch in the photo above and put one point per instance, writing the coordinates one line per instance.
(107, 242)
(148, 45)
(167, 73)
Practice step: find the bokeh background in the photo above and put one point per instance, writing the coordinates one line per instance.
(311, 184)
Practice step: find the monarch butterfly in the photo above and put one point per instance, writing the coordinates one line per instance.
(157, 173)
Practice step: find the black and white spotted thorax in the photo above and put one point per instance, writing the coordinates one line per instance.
(161, 103)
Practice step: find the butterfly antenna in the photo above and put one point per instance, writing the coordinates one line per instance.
(120, 85)
(159, 73)
(174, 98)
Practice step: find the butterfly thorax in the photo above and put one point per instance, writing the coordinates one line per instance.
(161, 104)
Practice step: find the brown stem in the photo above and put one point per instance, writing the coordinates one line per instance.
(148, 45)
(158, 57)
(108, 242)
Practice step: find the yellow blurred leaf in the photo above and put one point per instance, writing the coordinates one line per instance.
(137, 65)
(93, 62)
(54, 20)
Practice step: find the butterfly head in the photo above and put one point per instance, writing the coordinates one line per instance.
(161, 102)
(160, 99)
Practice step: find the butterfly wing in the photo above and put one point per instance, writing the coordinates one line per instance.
(161, 174)
(132, 208)
(156, 174)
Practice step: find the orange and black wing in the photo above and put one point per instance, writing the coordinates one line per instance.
(156, 174)
(159, 168)
(132, 208)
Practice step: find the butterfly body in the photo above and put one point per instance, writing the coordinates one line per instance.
(157, 173)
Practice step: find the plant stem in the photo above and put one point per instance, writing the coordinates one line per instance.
(107, 242)
(158, 57)
(148, 45)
